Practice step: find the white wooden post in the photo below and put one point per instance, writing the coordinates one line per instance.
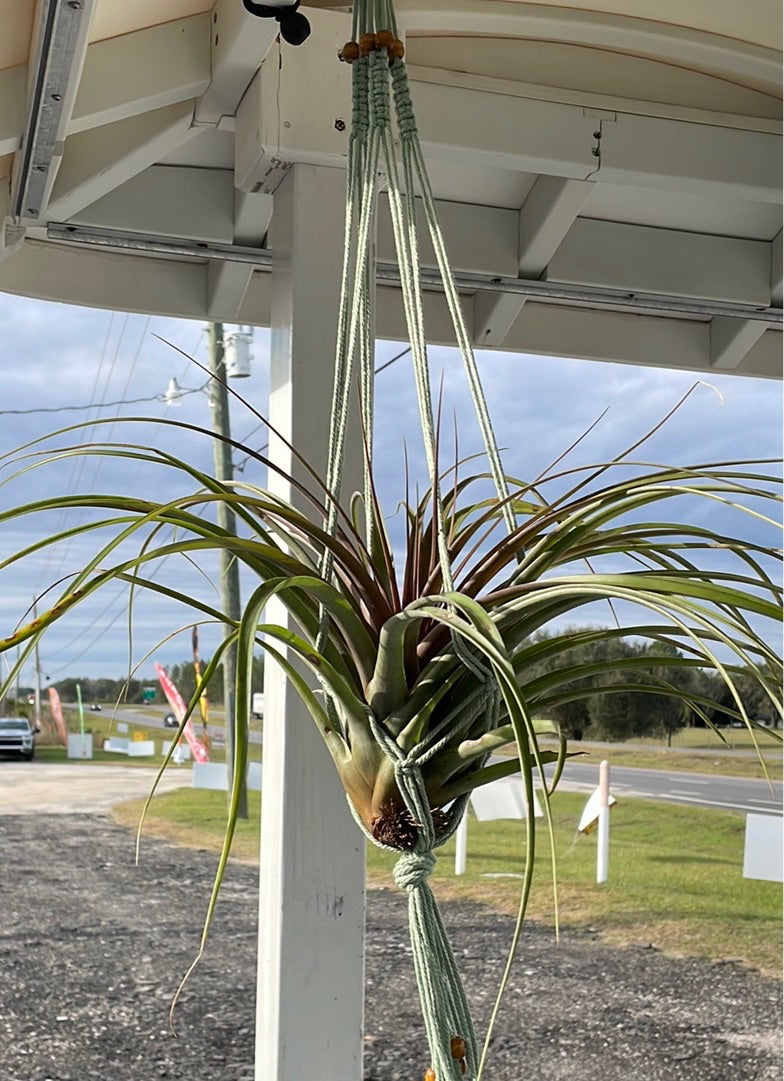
(603, 828)
(311, 890)
(461, 845)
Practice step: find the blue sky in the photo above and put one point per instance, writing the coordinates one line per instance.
(57, 356)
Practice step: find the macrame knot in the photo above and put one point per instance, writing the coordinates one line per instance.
(413, 869)
(379, 92)
(406, 120)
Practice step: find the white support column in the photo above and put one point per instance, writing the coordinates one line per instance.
(311, 903)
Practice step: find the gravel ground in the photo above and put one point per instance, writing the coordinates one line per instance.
(92, 948)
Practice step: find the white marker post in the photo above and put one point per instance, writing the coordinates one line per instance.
(603, 850)
(461, 844)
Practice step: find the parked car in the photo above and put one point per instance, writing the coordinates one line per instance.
(170, 721)
(17, 736)
(95, 707)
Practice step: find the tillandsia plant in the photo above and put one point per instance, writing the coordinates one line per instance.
(405, 669)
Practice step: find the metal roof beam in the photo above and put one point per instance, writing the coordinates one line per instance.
(615, 298)
(99, 160)
(238, 44)
(776, 291)
(544, 220)
(227, 282)
(60, 45)
(723, 54)
(639, 259)
(141, 71)
(177, 287)
(532, 136)
(731, 340)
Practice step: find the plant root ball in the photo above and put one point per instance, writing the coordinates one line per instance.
(396, 828)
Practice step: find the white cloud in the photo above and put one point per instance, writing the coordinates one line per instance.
(57, 356)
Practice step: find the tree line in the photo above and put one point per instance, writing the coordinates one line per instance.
(609, 702)
(106, 690)
(631, 690)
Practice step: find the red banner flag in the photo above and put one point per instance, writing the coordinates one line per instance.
(174, 698)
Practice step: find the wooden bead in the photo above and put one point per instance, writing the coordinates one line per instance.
(349, 53)
(397, 50)
(367, 43)
(430, 1075)
(384, 39)
(457, 1048)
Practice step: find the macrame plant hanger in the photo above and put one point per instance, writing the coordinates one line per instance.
(380, 156)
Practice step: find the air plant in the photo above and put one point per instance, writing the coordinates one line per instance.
(397, 648)
(463, 675)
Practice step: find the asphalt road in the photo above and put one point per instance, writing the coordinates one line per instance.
(154, 719)
(724, 793)
(704, 790)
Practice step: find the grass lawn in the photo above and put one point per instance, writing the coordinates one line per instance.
(721, 761)
(675, 872)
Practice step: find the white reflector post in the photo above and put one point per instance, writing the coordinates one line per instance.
(461, 845)
(603, 850)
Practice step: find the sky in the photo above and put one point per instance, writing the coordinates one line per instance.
(56, 357)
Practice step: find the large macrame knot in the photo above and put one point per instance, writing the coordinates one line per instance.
(413, 869)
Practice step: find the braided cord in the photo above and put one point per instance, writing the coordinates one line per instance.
(372, 148)
(445, 1009)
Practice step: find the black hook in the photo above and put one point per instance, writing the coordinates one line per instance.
(294, 27)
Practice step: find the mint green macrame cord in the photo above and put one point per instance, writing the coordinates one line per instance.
(375, 153)
(445, 1010)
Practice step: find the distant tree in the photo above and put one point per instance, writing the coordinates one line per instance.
(625, 692)
(755, 701)
(184, 678)
(671, 711)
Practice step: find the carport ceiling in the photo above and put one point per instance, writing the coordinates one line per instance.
(609, 180)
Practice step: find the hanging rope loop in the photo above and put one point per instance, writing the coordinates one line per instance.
(410, 827)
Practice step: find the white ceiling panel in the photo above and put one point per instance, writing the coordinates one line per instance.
(618, 162)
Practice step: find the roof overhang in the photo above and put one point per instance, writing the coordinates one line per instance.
(609, 180)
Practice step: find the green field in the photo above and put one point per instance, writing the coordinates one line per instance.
(694, 750)
(102, 727)
(675, 872)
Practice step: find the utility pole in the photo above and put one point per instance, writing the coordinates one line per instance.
(229, 568)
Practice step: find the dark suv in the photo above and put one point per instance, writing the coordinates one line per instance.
(17, 736)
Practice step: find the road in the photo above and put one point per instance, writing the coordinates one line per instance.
(671, 786)
(154, 719)
(699, 789)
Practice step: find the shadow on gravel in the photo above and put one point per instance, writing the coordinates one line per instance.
(92, 949)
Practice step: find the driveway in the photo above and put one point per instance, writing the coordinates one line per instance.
(49, 788)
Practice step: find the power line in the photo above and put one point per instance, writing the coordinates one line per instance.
(91, 405)
(389, 363)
